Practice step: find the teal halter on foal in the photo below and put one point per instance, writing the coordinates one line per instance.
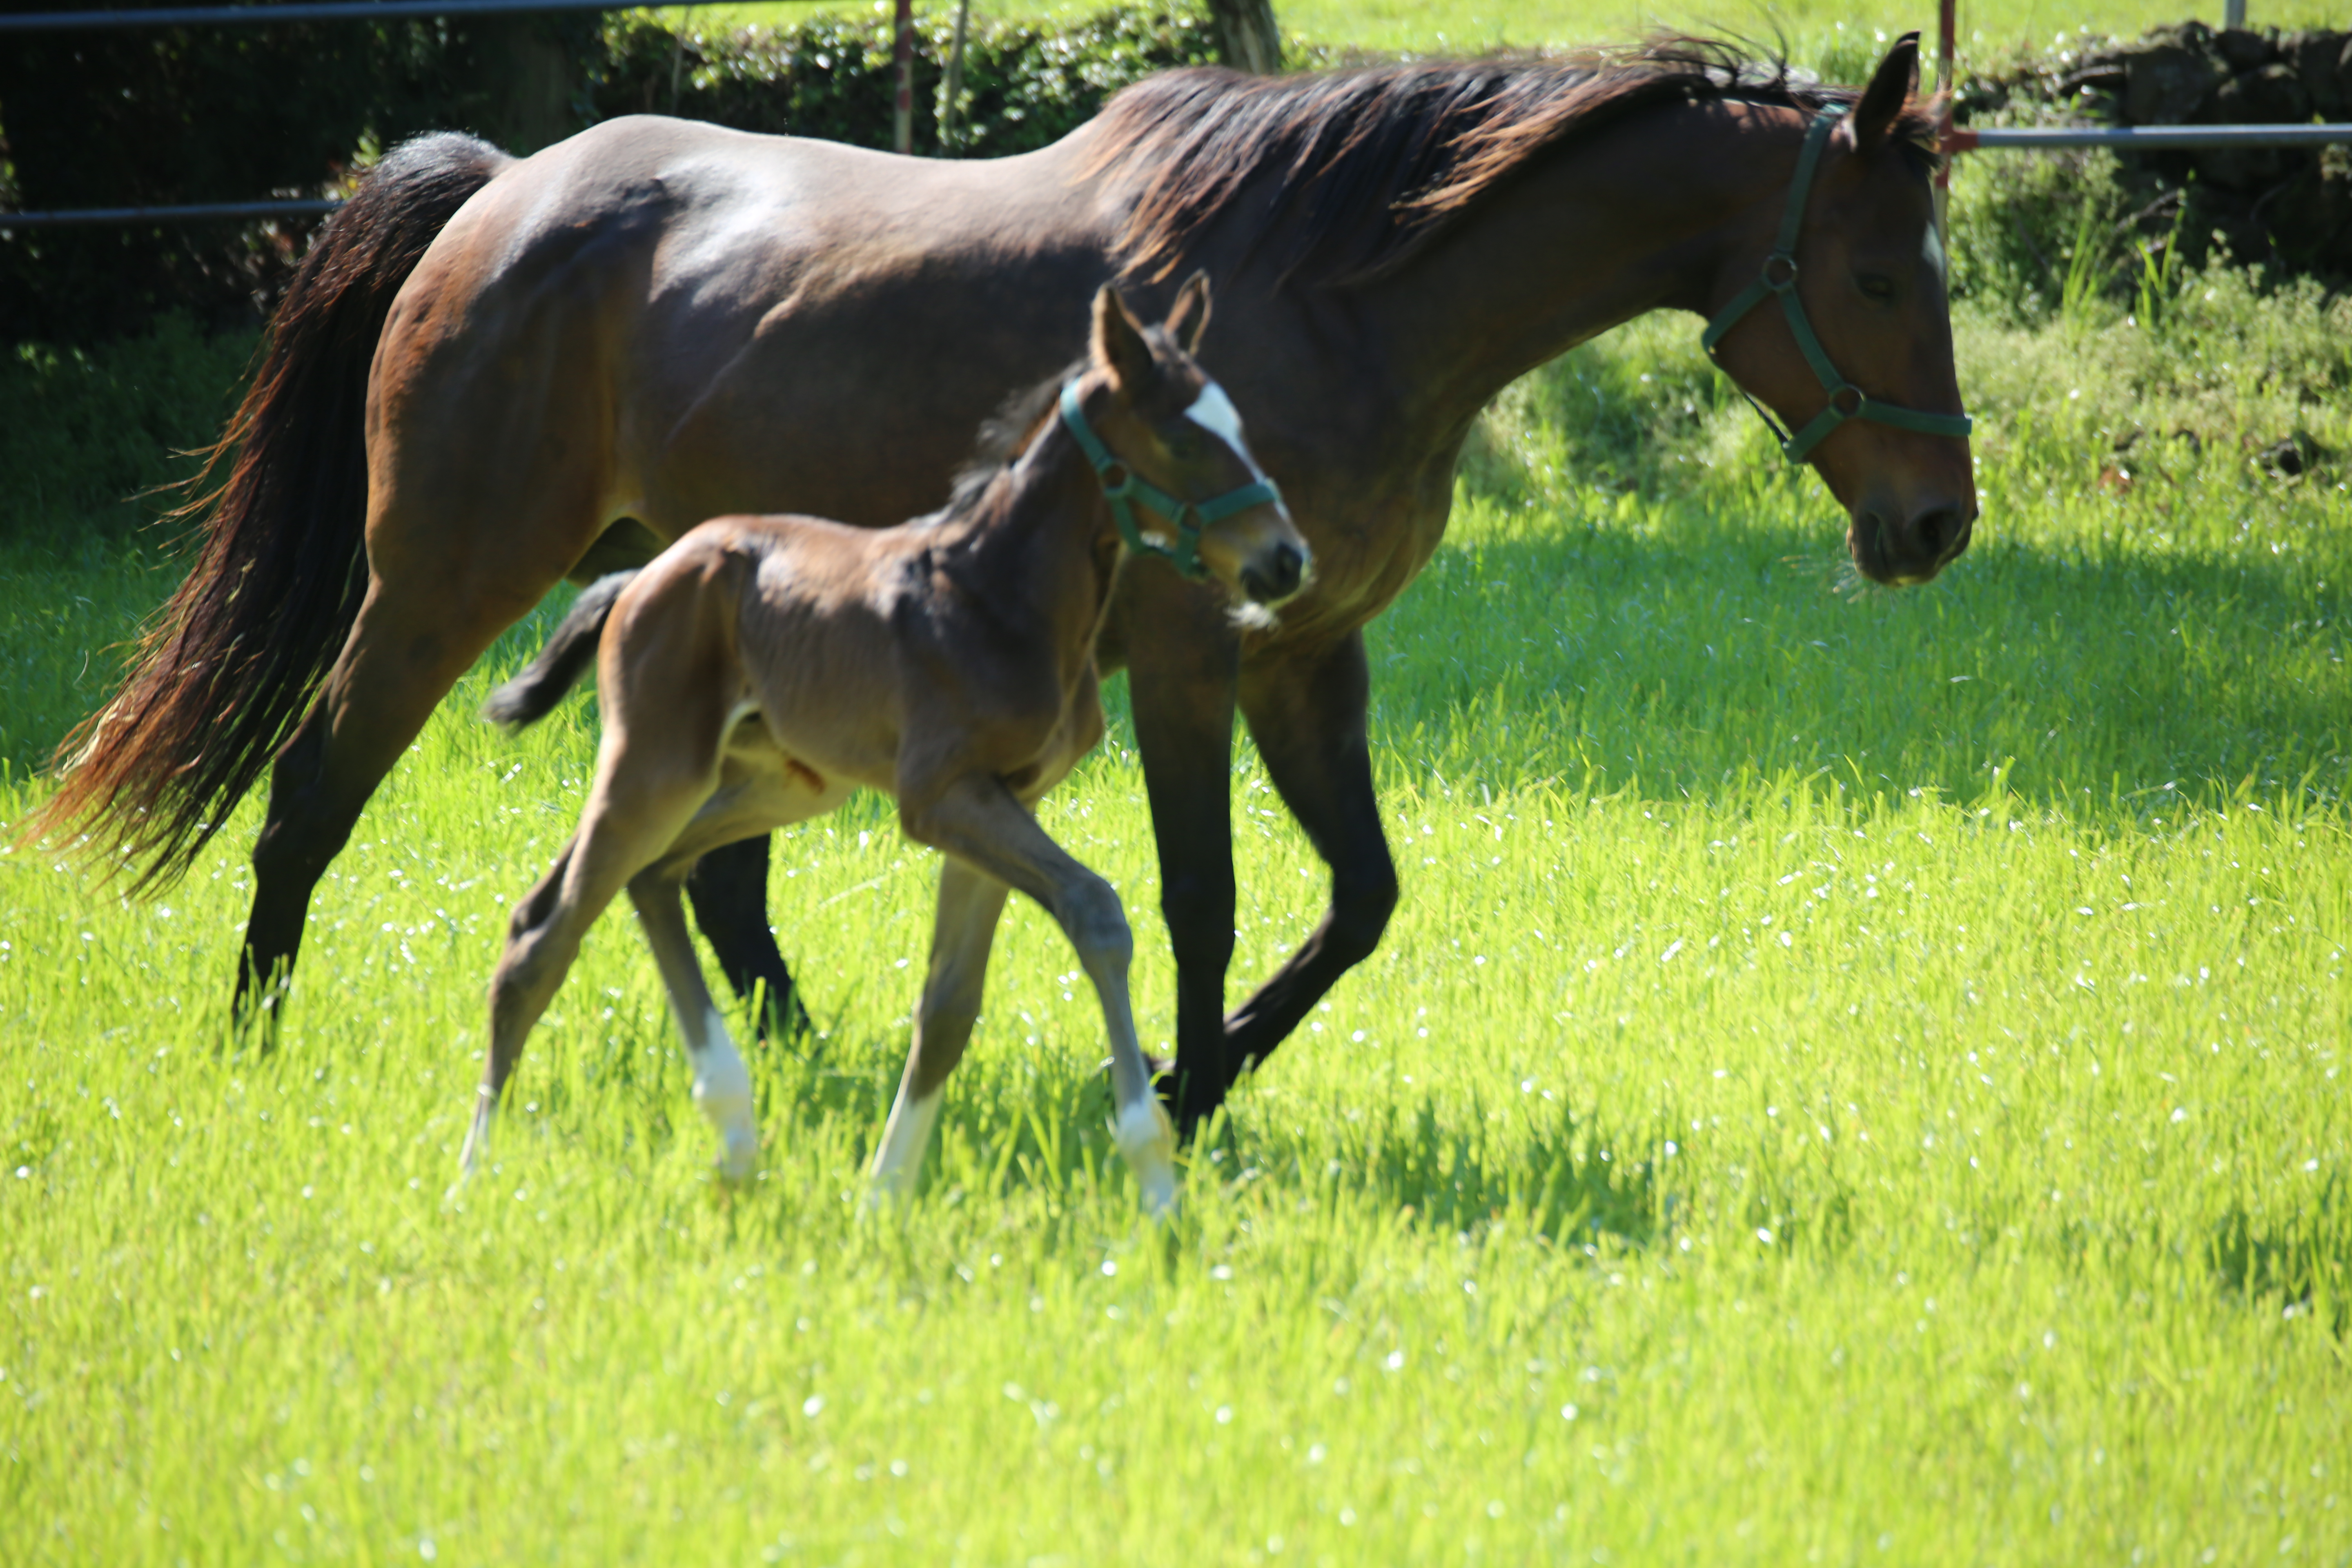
(1847, 401)
(1186, 518)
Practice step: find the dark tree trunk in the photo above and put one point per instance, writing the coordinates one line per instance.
(1246, 36)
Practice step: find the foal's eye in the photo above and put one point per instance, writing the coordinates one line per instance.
(1186, 447)
(1875, 286)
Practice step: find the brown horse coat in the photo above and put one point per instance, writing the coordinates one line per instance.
(763, 666)
(658, 321)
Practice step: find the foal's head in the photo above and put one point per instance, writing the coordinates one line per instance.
(1169, 424)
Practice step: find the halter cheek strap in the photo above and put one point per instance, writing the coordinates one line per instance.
(1123, 488)
(1778, 277)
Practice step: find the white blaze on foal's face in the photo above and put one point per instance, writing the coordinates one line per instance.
(1214, 412)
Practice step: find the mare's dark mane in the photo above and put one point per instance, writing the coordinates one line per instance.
(1369, 165)
(1006, 434)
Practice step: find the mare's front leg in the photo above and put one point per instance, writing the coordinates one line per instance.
(1180, 686)
(961, 933)
(728, 888)
(1306, 713)
(979, 821)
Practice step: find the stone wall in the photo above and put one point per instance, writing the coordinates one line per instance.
(2288, 207)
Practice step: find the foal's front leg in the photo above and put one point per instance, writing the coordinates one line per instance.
(979, 821)
(961, 933)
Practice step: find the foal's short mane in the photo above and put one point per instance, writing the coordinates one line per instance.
(1371, 164)
(1004, 435)
(1007, 433)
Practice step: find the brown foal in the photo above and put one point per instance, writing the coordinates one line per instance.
(763, 668)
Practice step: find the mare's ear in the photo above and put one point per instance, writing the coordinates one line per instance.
(1118, 346)
(1188, 319)
(1889, 89)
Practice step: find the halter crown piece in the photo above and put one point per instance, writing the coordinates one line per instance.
(1123, 488)
(1846, 400)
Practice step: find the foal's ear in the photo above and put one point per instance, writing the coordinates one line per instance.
(1118, 346)
(1187, 318)
(1890, 88)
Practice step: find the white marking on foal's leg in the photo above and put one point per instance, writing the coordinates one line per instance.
(723, 1093)
(476, 1154)
(1148, 1143)
(899, 1159)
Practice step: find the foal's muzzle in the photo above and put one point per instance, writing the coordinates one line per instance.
(1276, 574)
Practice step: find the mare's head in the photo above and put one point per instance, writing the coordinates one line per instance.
(1164, 421)
(1868, 273)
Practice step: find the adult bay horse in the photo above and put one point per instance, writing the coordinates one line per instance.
(493, 373)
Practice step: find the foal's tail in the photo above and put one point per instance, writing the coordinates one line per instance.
(532, 695)
(229, 667)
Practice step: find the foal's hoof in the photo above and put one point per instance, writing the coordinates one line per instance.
(739, 1161)
(1147, 1141)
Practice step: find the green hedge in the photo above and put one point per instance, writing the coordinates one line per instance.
(163, 116)
(1024, 85)
(175, 115)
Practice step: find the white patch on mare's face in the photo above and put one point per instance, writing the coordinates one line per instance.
(1214, 412)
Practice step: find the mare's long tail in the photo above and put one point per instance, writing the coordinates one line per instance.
(532, 695)
(232, 662)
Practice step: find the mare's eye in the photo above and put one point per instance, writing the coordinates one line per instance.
(1875, 286)
(1186, 446)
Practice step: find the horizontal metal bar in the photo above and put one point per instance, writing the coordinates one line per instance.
(2146, 138)
(319, 11)
(207, 212)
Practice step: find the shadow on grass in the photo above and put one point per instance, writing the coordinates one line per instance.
(1688, 663)
(2302, 1261)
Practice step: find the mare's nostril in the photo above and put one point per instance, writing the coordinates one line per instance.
(1942, 534)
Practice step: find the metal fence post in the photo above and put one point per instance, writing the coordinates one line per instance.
(902, 117)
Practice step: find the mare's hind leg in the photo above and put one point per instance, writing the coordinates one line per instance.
(410, 643)
(978, 820)
(728, 887)
(961, 932)
(722, 1084)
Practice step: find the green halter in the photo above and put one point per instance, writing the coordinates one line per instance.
(1847, 401)
(1186, 518)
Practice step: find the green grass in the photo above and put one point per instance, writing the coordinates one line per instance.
(1854, 1077)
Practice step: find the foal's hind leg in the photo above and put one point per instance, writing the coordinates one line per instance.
(978, 820)
(961, 932)
(722, 1084)
(630, 821)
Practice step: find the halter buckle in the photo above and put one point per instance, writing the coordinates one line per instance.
(1861, 399)
(1780, 285)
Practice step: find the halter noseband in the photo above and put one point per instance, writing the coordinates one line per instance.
(1186, 518)
(1847, 401)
